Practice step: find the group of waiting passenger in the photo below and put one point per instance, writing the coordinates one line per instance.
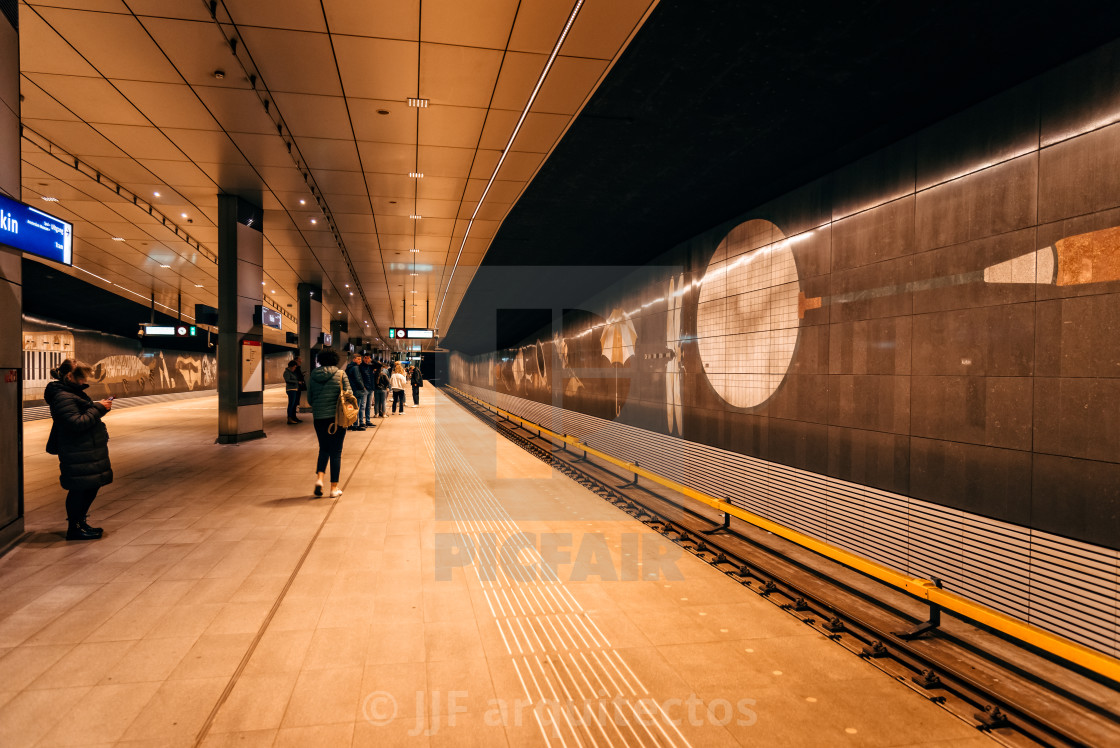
(80, 440)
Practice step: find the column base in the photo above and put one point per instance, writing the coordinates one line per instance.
(238, 438)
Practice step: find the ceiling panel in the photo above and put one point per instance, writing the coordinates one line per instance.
(390, 19)
(117, 45)
(388, 159)
(569, 83)
(238, 110)
(374, 68)
(91, 99)
(50, 53)
(458, 127)
(459, 76)
(293, 61)
(168, 105)
(315, 116)
(481, 23)
(435, 161)
(601, 28)
(303, 16)
(79, 137)
(138, 142)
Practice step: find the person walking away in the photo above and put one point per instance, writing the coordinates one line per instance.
(382, 389)
(417, 380)
(81, 441)
(397, 382)
(369, 379)
(327, 382)
(291, 386)
(354, 373)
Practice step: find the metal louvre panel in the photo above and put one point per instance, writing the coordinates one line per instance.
(1056, 583)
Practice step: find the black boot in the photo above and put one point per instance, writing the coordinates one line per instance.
(79, 530)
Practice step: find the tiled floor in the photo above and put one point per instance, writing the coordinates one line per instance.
(445, 599)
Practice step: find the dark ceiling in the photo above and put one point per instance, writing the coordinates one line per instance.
(721, 105)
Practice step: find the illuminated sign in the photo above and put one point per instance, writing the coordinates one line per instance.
(271, 318)
(411, 333)
(177, 331)
(35, 232)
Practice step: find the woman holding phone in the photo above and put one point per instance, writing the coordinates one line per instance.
(81, 441)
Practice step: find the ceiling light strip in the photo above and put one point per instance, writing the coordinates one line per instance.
(509, 145)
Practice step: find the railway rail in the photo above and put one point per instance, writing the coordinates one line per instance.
(1018, 696)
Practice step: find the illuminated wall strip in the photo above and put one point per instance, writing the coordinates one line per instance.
(506, 150)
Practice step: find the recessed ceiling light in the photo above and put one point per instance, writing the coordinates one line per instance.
(198, 285)
(156, 194)
(416, 175)
(262, 283)
(351, 293)
(413, 250)
(274, 290)
(414, 273)
(347, 285)
(165, 266)
(415, 217)
(313, 221)
(419, 103)
(303, 202)
(184, 215)
(412, 292)
(51, 199)
(118, 238)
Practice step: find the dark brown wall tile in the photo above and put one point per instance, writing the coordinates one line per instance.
(874, 402)
(812, 352)
(1080, 94)
(1079, 337)
(996, 200)
(872, 458)
(1052, 234)
(998, 129)
(986, 480)
(879, 290)
(878, 178)
(994, 411)
(1078, 417)
(875, 346)
(1077, 498)
(947, 289)
(984, 341)
(812, 251)
(799, 444)
(746, 433)
(1080, 175)
(881, 233)
(802, 397)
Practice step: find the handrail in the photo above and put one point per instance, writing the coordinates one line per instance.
(926, 589)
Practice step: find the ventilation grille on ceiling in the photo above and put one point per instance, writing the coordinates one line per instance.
(10, 9)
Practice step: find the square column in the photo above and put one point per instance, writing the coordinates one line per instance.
(11, 291)
(310, 327)
(240, 337)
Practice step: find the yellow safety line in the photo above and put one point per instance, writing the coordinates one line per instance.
(925, 589)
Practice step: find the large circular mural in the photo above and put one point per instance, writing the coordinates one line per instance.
(747, 319)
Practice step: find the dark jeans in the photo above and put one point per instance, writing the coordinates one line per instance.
(78, 502)
(330, 447)
(415, 394)
(293, 403)
(379, 403)
(363, 407)
(398, 399)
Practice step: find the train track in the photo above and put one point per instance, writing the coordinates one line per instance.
(1017, 696)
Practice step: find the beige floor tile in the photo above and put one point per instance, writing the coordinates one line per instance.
(468, 729)
(22, 665)
(279, 651)
(318, 736)
(84, 665)
(396, 642)
(32, 714)
(453, 640)
(257, 702)
(213, 656)
(150, 660)
(404, 732)
(240, 618)
(338, 648)
(459, 684)
(177, 711)
(102, 714)
(251, 739)
(186, 620)
(324, 697)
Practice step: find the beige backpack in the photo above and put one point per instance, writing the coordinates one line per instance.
(346, 413)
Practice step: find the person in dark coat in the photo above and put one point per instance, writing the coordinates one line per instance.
(357, 385)
(417, 381)
(369, 379)
(81, 441)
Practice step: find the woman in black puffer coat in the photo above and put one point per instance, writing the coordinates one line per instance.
(81, 441)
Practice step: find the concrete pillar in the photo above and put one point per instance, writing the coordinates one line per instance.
(240, 337)
(310, 300)
(11, 296)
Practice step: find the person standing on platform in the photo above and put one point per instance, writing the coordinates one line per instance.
(369, 379)
(417, 381)
(327, 382)
(397, 382)
(354, 373)
(381, 388)
(291, 386)
(81, 441)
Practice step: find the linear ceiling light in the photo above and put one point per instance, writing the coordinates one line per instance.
(418, 103)
(416, 174)
(51, 199)
(415, 217)
(509, 145)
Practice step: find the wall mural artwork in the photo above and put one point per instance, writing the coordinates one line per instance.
(121, 366)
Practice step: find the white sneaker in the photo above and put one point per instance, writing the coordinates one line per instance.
(336, 493)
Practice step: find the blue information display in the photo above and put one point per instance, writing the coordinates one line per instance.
(35, 232)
